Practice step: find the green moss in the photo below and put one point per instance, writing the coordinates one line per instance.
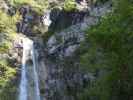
(37, 5)
(70, 5)
(7, 30)
(7, 88)
(8, 23)
(4, 47)
(6, 72)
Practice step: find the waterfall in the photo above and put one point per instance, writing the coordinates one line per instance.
(28, 53)
(35, 74)
(23, 84)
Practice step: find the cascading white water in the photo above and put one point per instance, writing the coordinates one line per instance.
(37, 91)
(28, 49)
(23, 83)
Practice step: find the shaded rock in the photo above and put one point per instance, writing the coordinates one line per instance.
(62, 19)
(70, 50)
(11, 11)
(51, 41)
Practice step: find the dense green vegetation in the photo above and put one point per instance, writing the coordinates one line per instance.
(34, 3)
(109, 55)
(7, 23)
(7, 73)
(37, 5)
(7, 70)
(70, 5)
(7, 30)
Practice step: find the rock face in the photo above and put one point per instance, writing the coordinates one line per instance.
(29, 19)
(64, 43)
(62, 19)
(54, 19)
(64, 78)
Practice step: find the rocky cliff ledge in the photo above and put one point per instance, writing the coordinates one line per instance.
(59, 63)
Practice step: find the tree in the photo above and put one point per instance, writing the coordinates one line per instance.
(112, 50)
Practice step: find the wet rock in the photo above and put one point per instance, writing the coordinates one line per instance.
(70, 50)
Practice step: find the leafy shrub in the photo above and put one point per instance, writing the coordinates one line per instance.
(8, 23)
(37, 5)
(70, 5)
(7, 72)
(111, 50)
(4, 47)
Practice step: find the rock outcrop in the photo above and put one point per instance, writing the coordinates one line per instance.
(29, 19)
(64, 78)
(69, 39)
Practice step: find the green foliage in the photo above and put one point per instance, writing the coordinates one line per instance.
(7, 30)
(4, 47)
(8, 23)
(21, 2)
(7, 71)
(37, 5)
(9, 92)
(8, 88)
(70, 5)
(111, 49)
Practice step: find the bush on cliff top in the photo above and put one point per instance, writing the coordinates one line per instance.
(37, 5)
(70, 5)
